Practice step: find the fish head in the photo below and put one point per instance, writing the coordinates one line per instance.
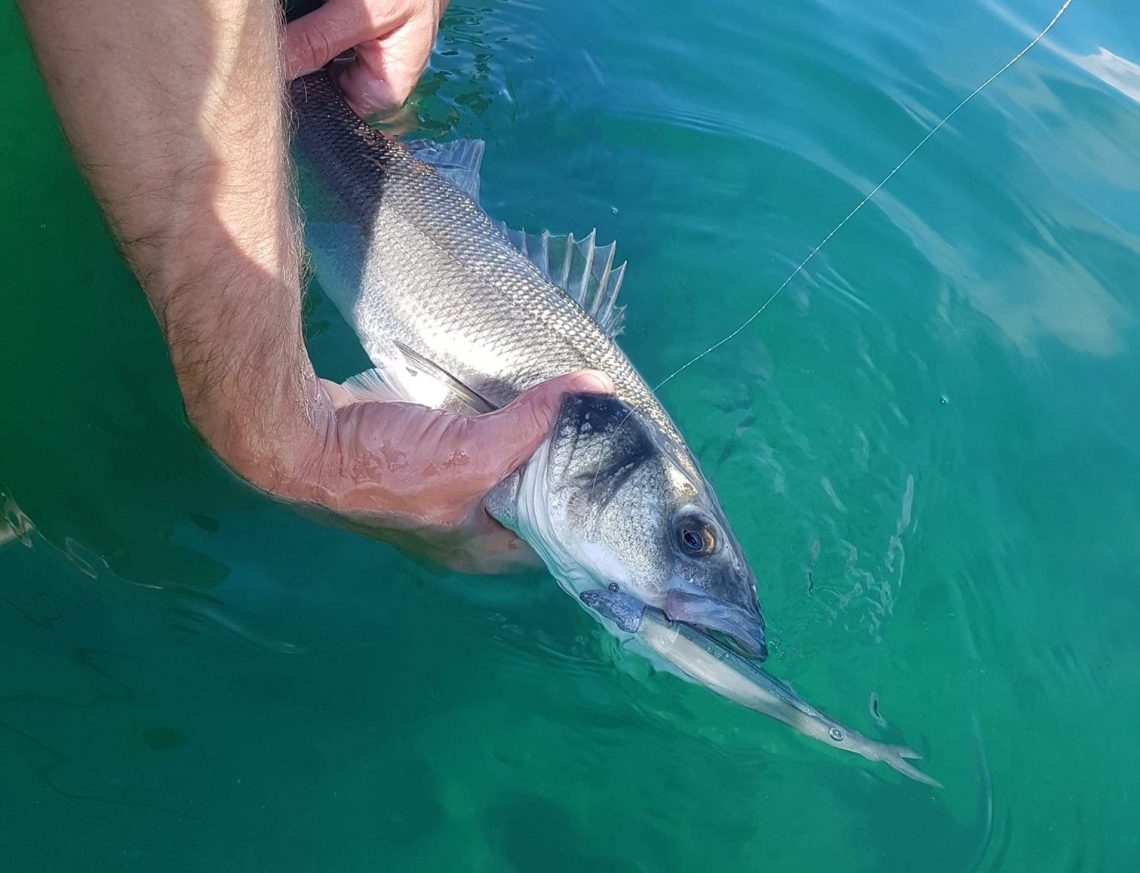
(611, 500)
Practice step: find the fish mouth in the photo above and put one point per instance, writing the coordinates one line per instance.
(743, 627)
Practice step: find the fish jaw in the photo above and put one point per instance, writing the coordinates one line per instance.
(745, 627)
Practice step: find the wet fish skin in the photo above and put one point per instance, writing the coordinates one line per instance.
(420, 263)
(421, 273)
(605, 499)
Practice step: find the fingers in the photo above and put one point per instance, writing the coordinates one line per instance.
(371, 82)
(392, 40)
(422, 474)
(506, 438)
(385, 70)
(313, 40)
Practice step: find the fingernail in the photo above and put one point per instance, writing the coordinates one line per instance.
(593, 382)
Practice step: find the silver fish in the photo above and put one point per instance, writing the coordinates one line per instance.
(456, 311)
(706, 661)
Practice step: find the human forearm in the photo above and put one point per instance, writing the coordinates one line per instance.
(174, 109)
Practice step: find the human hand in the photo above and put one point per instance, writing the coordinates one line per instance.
(417, 476)
(392, 40)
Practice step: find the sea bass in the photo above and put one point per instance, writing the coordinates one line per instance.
(457, 312)
(704, 660)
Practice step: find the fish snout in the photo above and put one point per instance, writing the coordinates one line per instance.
(745, 627)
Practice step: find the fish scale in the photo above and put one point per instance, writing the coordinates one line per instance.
(483, 293)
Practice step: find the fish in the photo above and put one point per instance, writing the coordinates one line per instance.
(459, 312)
(456, 311)
(705, 661)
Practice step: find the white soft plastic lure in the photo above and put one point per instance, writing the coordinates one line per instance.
(722, 670)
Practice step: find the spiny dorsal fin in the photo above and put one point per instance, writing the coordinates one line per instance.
(581, 268)
(457, 161)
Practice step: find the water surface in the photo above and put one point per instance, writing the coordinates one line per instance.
(928, 445)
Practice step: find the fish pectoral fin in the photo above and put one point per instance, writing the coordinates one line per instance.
(581, 268)
(457, 160)
(370, 387)
(403, 376)
(421, 376)
(407, 383)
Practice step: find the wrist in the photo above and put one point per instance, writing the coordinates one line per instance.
(276, 451)
(247, 383)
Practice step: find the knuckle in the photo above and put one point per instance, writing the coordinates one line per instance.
(315, 48)
(539, 416)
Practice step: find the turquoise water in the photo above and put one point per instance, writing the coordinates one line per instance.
(928, 445)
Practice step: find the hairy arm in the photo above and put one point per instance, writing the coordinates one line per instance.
(175, 112)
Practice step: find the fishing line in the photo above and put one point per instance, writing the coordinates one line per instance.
(731, 336)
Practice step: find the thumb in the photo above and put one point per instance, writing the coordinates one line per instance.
(513, 433)
(313, 40)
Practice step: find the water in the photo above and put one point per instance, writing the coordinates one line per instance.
(927, 444)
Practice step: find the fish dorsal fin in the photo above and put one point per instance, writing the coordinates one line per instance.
(457, 161)
(403, 376)
(581, 268)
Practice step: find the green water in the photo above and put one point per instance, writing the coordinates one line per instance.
(928, 445)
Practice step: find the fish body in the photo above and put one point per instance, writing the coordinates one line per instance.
(457, 312)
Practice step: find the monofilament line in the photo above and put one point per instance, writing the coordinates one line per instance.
(731, 336)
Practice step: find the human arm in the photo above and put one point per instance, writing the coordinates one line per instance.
(175, 112)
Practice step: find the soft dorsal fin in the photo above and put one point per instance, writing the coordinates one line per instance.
(457, 161)
(581, 268)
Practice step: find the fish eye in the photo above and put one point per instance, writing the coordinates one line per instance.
(696, 536)
(613, 586)
(836, 733)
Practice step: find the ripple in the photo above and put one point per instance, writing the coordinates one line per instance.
(15, 526)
